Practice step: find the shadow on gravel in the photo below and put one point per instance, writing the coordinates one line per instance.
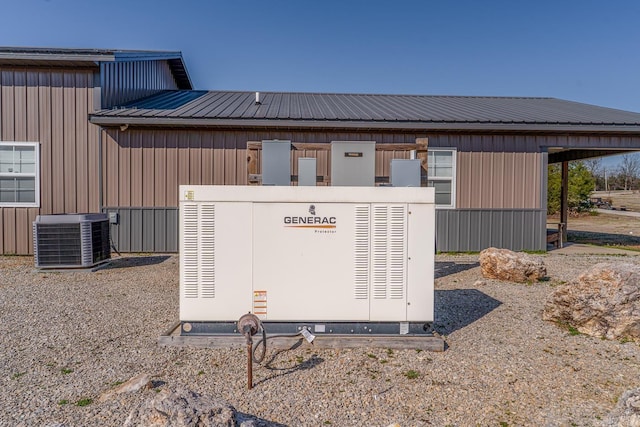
(303, 365)
(600, 239)
(252, 420)
(443, 269)
(136, 261)
(457, 308)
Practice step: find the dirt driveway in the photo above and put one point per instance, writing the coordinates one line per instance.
(605, 229)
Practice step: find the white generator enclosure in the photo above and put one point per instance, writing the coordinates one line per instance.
(333, 258)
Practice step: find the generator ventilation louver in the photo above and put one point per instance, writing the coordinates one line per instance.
(71, 241)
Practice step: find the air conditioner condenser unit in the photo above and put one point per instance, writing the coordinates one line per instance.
(71, 240)
(343, 260)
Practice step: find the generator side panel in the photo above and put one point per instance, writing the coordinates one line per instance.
(421, 263)
(215, 261)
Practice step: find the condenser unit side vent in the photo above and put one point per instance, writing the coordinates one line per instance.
(71, 241)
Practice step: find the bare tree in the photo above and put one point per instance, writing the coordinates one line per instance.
(594, 166)
(629, 168)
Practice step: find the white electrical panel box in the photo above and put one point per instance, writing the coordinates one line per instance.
(316, 254)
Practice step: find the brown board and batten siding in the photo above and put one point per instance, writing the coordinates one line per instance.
(500, 185)
(126, 81)
(143, 168)
(50, 106)
(496, 171)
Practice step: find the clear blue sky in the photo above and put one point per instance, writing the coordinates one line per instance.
(580, 50)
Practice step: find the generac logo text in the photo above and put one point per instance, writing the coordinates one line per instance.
(310, 220)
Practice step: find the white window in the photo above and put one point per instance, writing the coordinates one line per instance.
(441, 171)
(19, 174)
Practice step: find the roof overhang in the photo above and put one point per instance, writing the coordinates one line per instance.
(108, 121)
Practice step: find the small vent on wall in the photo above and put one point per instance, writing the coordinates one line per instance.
(361, 253)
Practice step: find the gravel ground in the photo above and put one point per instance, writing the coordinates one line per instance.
(68, 337)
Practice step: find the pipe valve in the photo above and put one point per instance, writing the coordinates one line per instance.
(248, 325)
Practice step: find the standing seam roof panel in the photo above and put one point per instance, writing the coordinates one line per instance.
(375, 111)
(371, 108)
(209, 104)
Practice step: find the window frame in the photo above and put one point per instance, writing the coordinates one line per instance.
(452, 179)
(35, 174)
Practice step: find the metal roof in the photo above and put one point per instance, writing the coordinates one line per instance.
(32, 56)
(327, 110)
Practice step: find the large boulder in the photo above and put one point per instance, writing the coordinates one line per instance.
(185, 408)
(503, 264)
(626, 412)
(604, 302)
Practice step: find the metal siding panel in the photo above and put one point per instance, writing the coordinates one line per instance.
(128, 81)
(93, 155)
(485, 228)
(111, 183)
(32, 214)
(122, 169)
(57, 143)
(69, 143)
(207, 159)
(145, 229)
(136, 230)
(159, 167)
(33, 114)
(160, 230)
(2, 119)
(137, 169)
(20, 105)
(544, 162)
(517, 231)
(478, 229)
(9, 226)
(23, 230)
(519, 184)
(195, 158)
(241, 167)
(477, 175)
(218, 158)
(171, 184)
(148, 229)
(82, 172)
(172, 230)
(124, 230)
(229, 159)
(45, 136)
(148, 168)
(113, 229)
(498, 180)
(8, 111)
(183, 159)
(463, 180)
(464, 233)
